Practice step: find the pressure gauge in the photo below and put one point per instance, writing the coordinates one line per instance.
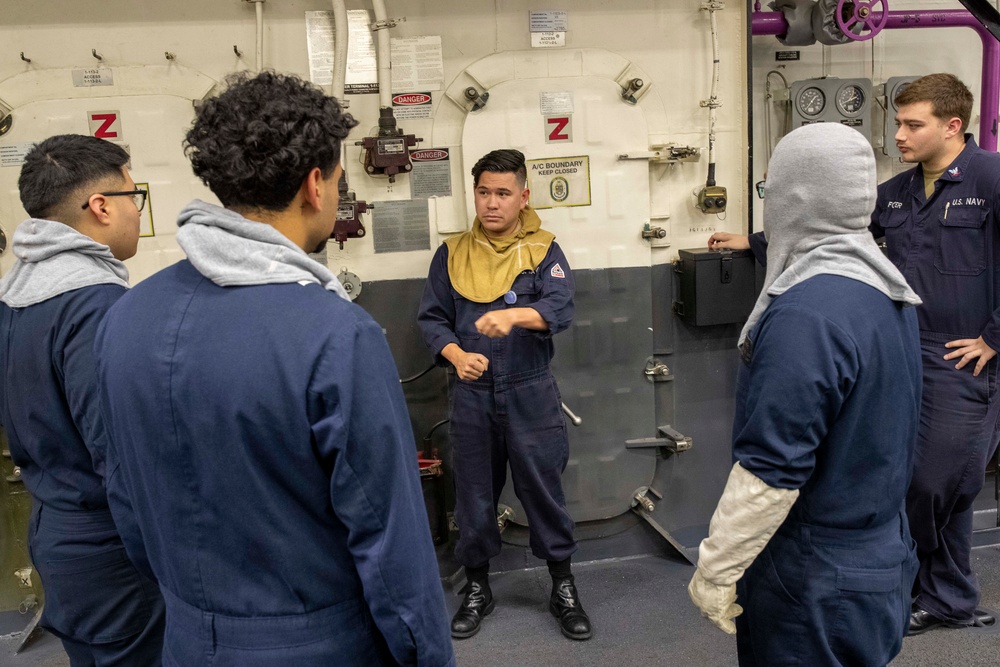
(811, 101)
(851, 99)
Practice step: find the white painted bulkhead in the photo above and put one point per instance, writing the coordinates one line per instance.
(669, 42)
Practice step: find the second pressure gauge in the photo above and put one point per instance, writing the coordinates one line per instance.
(851, 99)
(811, 101)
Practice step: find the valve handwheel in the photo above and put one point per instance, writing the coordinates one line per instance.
(855, 17)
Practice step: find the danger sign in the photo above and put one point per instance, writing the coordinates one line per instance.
(105, 125)
(558, 129)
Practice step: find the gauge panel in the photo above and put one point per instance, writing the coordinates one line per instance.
(832, 100)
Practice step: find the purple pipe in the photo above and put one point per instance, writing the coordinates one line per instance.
(774, 23)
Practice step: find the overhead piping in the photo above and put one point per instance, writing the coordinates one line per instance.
(258, 6)
(340, 43)
(713, 101)
(712, 198)
(774, 23)
(381, 29)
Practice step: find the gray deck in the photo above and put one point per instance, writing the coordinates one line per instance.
(641, 615)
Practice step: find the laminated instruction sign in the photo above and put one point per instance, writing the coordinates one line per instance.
(431, 175)
(12, 155)
(559, 181)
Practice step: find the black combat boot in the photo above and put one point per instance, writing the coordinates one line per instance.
(478, 603)
(565, 606)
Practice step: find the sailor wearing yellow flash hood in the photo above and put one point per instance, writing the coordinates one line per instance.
(494, 297)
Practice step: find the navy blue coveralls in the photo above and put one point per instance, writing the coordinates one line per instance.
(828, 404)
(948, 246)
(103, 609)
(512, 414)
(261, 450)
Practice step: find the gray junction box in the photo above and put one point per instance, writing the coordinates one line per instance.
(716, 286)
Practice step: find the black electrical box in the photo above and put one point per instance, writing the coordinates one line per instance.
(717, 286)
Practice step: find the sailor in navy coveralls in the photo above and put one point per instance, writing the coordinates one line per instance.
(85, 221)
(494, 298)
(260, 444)
(941, 223)
(810, 539)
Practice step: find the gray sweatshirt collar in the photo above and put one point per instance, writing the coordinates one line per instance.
(53, 258)
(230, 250)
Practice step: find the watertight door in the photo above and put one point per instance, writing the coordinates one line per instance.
(571, 129)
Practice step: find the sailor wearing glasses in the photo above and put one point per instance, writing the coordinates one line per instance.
(69, 271)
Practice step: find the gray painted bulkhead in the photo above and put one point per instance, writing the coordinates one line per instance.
(623, 317)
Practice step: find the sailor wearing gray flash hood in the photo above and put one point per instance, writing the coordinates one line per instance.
(826, 415)
(816, 217)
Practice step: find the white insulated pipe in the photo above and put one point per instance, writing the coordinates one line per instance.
(259, 8)
(340, 43)
(382, 49)
(712, 101)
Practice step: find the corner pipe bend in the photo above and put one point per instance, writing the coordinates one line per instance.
(774, 23)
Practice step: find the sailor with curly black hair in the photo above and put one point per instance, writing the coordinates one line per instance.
(265, 450)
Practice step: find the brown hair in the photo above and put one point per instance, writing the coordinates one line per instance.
(949, 97)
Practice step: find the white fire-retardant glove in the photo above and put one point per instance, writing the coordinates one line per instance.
(746, 518)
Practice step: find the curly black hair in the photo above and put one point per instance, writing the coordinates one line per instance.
(61, 168)
(255, 143)
(502, 161)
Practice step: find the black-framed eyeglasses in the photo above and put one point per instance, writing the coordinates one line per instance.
(760, 188)
(138, 197)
